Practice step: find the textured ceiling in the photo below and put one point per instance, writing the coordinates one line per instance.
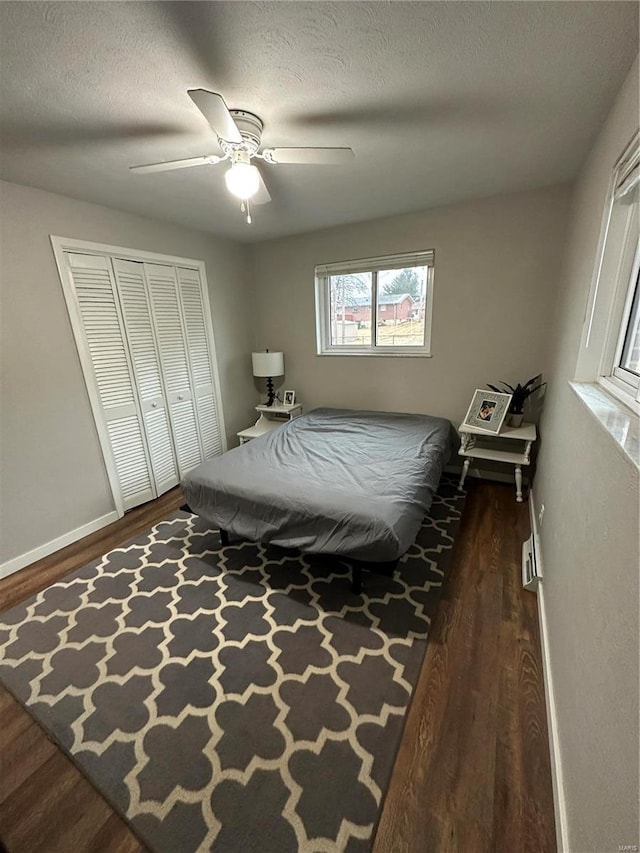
(440, 101)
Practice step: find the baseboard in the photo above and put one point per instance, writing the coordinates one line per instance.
(559, 803)
(23, 560)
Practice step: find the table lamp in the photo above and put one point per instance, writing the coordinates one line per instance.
(268, 364)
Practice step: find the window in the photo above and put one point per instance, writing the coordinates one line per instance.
(626, 367)
(613, 323)
(375, 306)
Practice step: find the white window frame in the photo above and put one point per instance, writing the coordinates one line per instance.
(613, 284)
(622, 374)
(323, 273)
(621, 383)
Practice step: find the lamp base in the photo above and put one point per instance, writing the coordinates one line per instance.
(271, 394)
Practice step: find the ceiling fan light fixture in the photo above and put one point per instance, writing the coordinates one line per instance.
(243, 180)
(239, 135)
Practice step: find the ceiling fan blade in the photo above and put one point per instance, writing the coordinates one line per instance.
(207, 159)
(262, 196)
(216, 112)
(302, 156)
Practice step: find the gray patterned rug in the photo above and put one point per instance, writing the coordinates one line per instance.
(231, 699)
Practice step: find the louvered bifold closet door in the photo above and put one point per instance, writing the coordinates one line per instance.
(165, 303)
(200, 361)
(103, 332)
(146, 367)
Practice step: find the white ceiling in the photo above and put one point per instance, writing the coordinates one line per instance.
(440, 101)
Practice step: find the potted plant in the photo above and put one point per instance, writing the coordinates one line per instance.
(520, 395)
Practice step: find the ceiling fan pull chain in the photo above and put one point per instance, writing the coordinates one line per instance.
(244, 208)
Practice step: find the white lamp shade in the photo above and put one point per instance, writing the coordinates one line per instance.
(268, 363)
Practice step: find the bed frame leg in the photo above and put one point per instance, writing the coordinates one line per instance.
(358, 566)
(224, 537)
(356, 579)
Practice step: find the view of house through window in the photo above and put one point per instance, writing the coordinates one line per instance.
(378, 308)
(350, 300)
(400, 308)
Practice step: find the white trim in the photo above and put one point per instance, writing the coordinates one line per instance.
(559, 801)
(23, 560)
(602, 239)
(379, 352)
(616, 418)
(128, 253)
(621, 390)
(423, 258)
(621, 312)
(629, 293)
(217, 390)
(595, 281)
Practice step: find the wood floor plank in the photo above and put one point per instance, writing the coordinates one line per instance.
(33, 805)
(24, 753)
(115, 837)
(473, 771)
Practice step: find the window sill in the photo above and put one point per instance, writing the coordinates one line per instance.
(620, 422)
(621, 391)
(374, 354)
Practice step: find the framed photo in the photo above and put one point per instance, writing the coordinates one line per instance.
(487, 411)
(289, 398)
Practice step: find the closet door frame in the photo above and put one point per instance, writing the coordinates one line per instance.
(61, 245)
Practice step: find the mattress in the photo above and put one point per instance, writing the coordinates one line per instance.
(353, 483)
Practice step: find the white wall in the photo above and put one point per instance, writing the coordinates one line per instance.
(496, 274)
(52, 477)
(589, 541)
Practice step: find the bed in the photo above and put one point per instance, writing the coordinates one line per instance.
(351, 483)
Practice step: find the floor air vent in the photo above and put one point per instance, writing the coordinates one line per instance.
(530, 576)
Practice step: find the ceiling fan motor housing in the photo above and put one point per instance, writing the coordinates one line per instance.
(250, 127)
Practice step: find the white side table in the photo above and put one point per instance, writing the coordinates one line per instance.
(270, 418)
(477, 444)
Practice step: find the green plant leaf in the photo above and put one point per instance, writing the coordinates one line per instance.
(521, 393)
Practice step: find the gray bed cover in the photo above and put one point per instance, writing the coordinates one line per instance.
(334, 481)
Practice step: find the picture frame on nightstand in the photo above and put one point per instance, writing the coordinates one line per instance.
(289, 398)
(487, 411)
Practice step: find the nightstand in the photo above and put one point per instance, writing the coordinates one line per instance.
(477, 444)
(270, 418)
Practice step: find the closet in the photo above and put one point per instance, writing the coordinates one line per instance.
(143, 333)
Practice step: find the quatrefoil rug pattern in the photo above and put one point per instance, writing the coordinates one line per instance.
(235, 698)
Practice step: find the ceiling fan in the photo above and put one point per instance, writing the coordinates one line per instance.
(240, 135)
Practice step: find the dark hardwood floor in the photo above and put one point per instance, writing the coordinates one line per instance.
(472, 773)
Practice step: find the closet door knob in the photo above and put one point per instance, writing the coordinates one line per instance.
(154, 405)
(180, 397)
